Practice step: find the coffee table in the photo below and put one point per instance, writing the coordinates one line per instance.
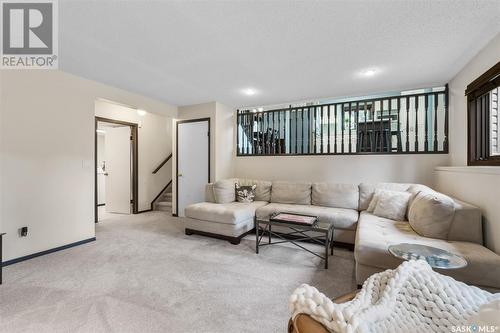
(436, 258)
(297, 233)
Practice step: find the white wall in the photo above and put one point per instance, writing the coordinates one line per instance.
(342, 169)
(47, 156)
(225, 141)
(480, 187)
(154, 145)
(483, 61)
(477, 185)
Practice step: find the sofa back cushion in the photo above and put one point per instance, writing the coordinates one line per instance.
(209, 193)
(391, 204)
(467, 224)
(225, 190)
(366, 191)
(431, 214)
(335, 195)
(298, 193)
(262, 191)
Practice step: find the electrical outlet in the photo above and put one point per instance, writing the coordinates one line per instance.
(23, 232)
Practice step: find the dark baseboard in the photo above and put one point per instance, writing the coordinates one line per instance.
(38, 254)
(175, 215)
(236, 240)
(230, 239)
(100, 205)
(144, 211)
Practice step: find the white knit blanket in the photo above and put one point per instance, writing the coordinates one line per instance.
(410, 298)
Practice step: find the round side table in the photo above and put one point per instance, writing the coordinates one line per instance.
(436, 258)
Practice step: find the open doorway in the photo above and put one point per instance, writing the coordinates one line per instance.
(116, 162)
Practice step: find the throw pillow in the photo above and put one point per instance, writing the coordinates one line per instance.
(245, 193)
(224, 191)
(392, 205)
(431, 213)
(374, 201)
(263, 190)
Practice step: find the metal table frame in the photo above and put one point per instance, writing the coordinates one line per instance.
(298, 233)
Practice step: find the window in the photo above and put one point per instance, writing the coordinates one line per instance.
(483, 118)
(410, 122)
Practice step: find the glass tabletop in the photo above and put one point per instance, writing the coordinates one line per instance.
(319, 225)
(436, 258)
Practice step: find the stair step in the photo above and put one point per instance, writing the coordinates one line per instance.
(164, 203)
(163, 208)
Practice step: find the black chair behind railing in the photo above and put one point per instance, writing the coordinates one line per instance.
(377, 136)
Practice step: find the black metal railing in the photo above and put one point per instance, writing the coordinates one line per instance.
(402, 124)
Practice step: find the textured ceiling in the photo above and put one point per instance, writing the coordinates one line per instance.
(193, 52)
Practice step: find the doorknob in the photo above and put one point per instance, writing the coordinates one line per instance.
(179, 175)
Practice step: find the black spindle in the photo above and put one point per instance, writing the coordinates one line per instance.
(357, 127)
(389, 134)
(328, 129)
(407, 105)
(373, 146)
(279, 131)
(342, 115)
(445, 143)
(398, 138)
(349, 127)
(426, 123)
(435, 97)
(335, 129)
(296, 130)
(302, 141)
(321, 130)
(416, 123)
(314, 119)
(365, 134)
(381, 134)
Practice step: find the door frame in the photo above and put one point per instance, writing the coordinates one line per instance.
(135, 162)
(177, 155)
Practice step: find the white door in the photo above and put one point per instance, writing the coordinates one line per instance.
(193, 163)
(117, 157)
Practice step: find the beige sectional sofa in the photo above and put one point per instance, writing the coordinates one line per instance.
(345, 205)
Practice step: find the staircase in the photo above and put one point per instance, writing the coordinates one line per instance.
(164, 202)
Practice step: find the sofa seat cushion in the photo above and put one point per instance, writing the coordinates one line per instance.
(375, 234)
(229, 213)
(341, 218)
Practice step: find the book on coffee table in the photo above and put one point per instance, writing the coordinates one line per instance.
(292, 218)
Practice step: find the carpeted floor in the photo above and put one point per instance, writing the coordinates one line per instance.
(144, 275)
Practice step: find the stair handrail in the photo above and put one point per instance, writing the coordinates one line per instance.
(162, 163)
